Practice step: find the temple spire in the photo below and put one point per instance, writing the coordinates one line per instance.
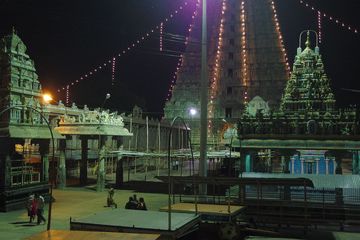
(307, 43)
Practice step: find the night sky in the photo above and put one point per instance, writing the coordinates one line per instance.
(67, 39)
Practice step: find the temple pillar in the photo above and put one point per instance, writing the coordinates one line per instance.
(358, 158)
(326, 166)
(355, 162)
(62, 171)
(100, 183)
(119, 179)
(44, 153)
(45, 161)
(5, 163)
(338, 160)
(248, 163)
(317, 166)
(62, 166)
(84, 160)
(286, 159)
(302, 165)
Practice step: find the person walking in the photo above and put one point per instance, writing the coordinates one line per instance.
(31, 207)
(40, 209)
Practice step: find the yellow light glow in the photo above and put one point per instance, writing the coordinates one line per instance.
(47, 98)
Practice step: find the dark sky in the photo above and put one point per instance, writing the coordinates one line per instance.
(67, 39)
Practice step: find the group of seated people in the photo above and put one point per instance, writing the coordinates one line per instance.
(133, 203)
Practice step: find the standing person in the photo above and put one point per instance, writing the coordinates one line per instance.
(40, 209)
(29, 207)
(110, 198)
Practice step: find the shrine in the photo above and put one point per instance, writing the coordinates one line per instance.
(25, 132)
(308, 134)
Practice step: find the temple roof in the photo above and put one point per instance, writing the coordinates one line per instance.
(309, 87)
(13, 43)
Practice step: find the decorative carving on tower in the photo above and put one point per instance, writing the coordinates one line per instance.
(309, 86)
(19, 84)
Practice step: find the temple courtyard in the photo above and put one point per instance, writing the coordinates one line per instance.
(77, 202)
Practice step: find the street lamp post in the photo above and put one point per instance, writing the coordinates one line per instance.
(203, 101)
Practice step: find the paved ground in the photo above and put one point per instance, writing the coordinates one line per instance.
(72, 202)
(79, 202)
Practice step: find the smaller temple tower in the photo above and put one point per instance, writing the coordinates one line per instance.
(308, 88)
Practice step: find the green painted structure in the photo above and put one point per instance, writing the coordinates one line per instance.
(24, 133)
(307, 134)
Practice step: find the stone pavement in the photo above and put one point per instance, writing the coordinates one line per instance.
(71, 202)
(79, 202)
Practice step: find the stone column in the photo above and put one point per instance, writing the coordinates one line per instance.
(358, 158)
(119, 179)
(84, 160)
(5, 163)
(326, 166)
(355, 163)
(282, 164)
(62, 165)
(338, 160)
(293, 165)
(62, 170)
(302, 165)
(100, 183)
(317, 166)
(44, 153)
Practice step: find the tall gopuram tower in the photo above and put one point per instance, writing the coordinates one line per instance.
(24, 134)
(246, 58)
(19, 82)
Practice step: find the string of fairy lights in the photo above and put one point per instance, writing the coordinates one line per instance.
(113, 72)
(161, 36)
(319, 26)
(280, 37)
(181, 59)
(244, 51)
(215, 78)
(112, 61)
(329, 17)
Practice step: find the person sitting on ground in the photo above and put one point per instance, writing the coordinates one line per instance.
(141, 205)
(135, 199)
(131, 204)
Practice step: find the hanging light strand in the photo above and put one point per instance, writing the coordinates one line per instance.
(161, 36)
(319, 26)
(113, 71)
(244, 54)
(124, 51)
(181, 59)
(280, 37)
(67, 100)
(216, 71)
(330, 18)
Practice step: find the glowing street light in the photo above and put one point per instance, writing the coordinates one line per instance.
(192, 112)
(47, 98)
